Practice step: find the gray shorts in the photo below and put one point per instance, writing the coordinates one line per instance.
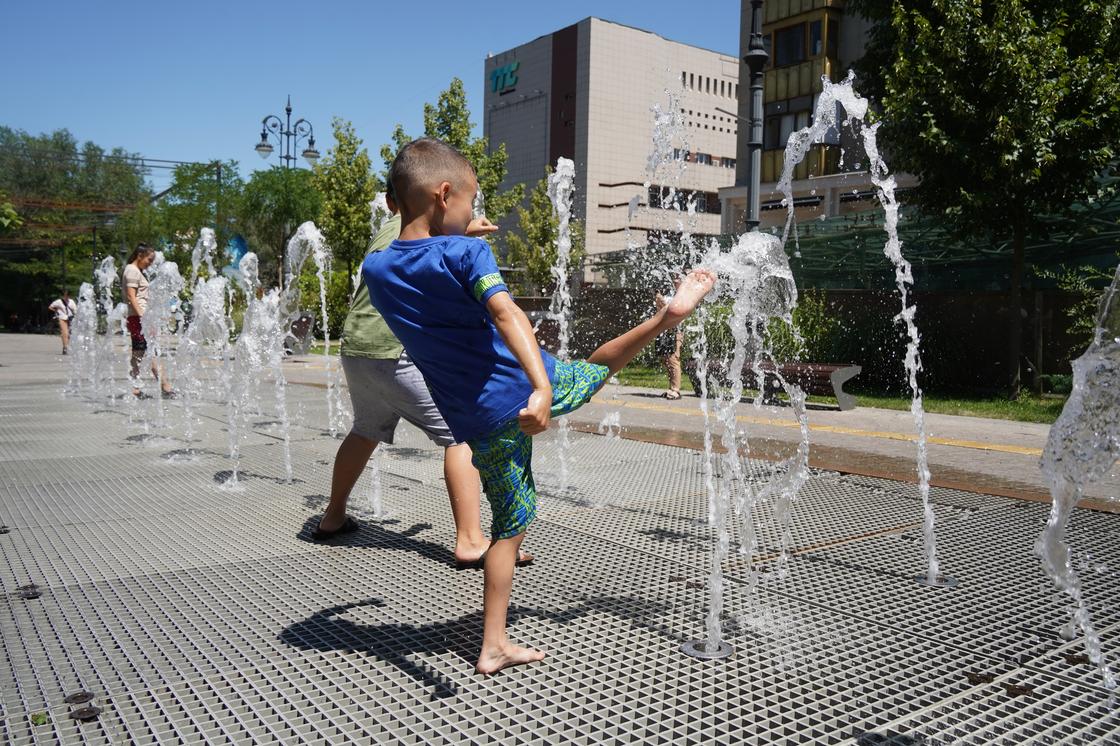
(384, 391)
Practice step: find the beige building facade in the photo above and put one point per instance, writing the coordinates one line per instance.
(586, 92)
(807, 40)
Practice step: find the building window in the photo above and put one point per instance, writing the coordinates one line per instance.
(727, 162)
(691, 80)
(816, 44)
(789, 45)
(833, 39)
(704, 158)
(684, 79)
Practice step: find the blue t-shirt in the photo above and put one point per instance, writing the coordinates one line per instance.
(432, 292)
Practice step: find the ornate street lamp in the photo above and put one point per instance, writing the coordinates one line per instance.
(287, 136)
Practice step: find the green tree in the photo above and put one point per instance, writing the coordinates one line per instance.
(533, 246)
(1007, 111)
(9, 218)
(275, 202)
(346, 180)
(73, 200)
(202, 195)
(449, 120)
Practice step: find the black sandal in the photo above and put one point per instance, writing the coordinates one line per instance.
(348, 526)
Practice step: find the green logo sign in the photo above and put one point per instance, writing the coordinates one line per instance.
(504, 78)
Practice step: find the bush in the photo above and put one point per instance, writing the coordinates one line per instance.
(338, 300)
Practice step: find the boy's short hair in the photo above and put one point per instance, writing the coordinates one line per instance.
(422, 164)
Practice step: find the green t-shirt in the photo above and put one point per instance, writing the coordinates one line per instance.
(365, 333)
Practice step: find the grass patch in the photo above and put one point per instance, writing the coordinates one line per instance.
(1027, 408)
(316, 348)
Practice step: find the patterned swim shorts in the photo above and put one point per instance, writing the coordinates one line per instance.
(504, 457)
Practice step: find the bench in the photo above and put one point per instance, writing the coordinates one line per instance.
(826, 379)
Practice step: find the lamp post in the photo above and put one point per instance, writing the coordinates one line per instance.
(755, 58)
(287, 137)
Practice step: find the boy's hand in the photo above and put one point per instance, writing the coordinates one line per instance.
(534, 417)
(479, 227)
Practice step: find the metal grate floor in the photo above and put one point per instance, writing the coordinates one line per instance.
(197, 615)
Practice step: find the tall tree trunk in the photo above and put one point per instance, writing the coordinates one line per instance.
(1015, 330)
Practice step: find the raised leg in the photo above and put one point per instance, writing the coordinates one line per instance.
(618, 352)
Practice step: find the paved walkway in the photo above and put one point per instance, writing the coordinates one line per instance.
(970, 453)
(194, 614)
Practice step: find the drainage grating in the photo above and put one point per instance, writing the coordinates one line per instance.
(293, 649)
(1070, 661)
(1003, 606)
(675, 527)
(1012, 710)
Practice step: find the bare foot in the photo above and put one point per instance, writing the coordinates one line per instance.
(694, 287)
(466, 554)
(492, 661)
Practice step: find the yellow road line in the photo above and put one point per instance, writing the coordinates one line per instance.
(884, 435)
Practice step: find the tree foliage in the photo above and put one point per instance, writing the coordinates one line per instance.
(449, 120)
(72, 200)
(9, 218)
(1007, 110)
(197, 199)
(274, 204)
(533, 246)
(347, 183)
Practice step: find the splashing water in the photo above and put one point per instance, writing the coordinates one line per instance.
(203, 251)
(159, 323)
(755, 276)
(373, 499)
(826, 122)
(83, 342)
(561, 184)
(308, 242)
(610, 425)
(260, 345)
(1082, 447)
(105, 276)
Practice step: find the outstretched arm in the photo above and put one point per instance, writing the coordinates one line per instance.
(517, 333)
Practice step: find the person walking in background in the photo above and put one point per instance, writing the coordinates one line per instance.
(135, 284)
(64, 310)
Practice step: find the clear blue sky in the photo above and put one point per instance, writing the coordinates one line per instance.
(192, 80)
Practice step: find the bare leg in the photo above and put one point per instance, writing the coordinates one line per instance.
(618, 352)
(351, 459)
(497, 651)
(64, 329)
(160, 372)
(463, 490)
(134, 368)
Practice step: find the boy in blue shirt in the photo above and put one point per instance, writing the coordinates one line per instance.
(442, 295)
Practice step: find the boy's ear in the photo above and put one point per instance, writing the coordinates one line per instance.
(442, 193)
